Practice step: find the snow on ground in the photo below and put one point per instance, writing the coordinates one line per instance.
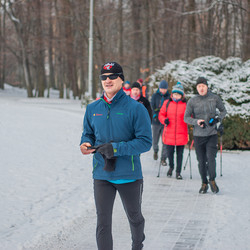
(47, 198)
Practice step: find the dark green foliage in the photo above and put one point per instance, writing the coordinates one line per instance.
(236, 133)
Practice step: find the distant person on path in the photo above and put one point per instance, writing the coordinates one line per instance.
(144, 90)
(117, 129)
(126, 88)
(136, 95)
(201, 113)
(157, 100)
(175, 134)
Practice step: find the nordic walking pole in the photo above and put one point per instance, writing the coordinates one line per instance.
(220, 130)
(189, 148)
(186, 161)
(187, 156)
(190, 159)
(220, 155)
(159, 170)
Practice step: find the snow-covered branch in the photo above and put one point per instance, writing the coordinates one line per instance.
(229, 78)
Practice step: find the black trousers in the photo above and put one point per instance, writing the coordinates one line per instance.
(157, 130)
(131, 196)
(179, 156)
(206, 151)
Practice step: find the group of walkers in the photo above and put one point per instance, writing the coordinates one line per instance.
(172, 114)
(117, 130)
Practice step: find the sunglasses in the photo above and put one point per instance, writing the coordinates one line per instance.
(111, 77)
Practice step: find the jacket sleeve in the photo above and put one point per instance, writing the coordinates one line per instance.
(188, 117)
(155, 108)
(148, 106)
(142, 140)
(163, 114)
(153, 104)
(221, 107)
(88, 133)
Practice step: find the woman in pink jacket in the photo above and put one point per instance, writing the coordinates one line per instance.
(175, 133)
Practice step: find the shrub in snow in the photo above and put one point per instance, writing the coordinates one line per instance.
(236, 133)
(229, 78)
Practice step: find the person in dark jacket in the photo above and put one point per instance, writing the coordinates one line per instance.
(201, 112)
(175, 134)
(157, 100)
(117, 129)
(136, 95)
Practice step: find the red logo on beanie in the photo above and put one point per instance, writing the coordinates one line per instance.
(108, 66)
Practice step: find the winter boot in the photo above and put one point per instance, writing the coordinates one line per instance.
(155, 156)
(204, 188)
(163, 162)
(214, 187)
(178, 176)
(170, 171)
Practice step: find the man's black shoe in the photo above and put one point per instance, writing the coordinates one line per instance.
(155, 156)
(163, 163)
(178, 176)
(170, 171)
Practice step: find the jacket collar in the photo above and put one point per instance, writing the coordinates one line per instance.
(158, 92)
(120, 94)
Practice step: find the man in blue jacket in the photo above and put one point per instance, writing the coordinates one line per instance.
(157, 100)
(117, 129)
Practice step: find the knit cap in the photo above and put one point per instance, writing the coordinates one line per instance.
(163, 85)
(112, 67)
(136, 85)
(201, 80)
(140, 80)
(178, 88)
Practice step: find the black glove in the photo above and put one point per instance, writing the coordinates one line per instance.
(214, 120)
(109, 164)
(166, 121)
(107, 152)
(204, 125)
(106, 149)
(220, 129)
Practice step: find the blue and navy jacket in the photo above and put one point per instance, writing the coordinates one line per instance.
(156, 103)
(126, 124)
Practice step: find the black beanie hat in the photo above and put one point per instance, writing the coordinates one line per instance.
(136, 85)
(201, 80)
(112, 67)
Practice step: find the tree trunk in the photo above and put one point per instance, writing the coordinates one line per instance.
(145, 40)
(39, 46)
(2, 47)
(137, 38)
(51, 83)
(191, 52)
(246, 31)
(120, 31)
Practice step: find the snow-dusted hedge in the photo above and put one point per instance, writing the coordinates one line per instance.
(228, 78)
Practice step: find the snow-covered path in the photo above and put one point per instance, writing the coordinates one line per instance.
(47, 198)
(177, 217)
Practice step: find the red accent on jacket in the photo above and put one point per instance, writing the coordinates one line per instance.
(176, 133)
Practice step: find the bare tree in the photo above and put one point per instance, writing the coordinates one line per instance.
(49, 39)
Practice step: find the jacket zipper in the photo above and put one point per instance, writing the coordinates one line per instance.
(133, 165)
(95, 164)
(175, 122)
